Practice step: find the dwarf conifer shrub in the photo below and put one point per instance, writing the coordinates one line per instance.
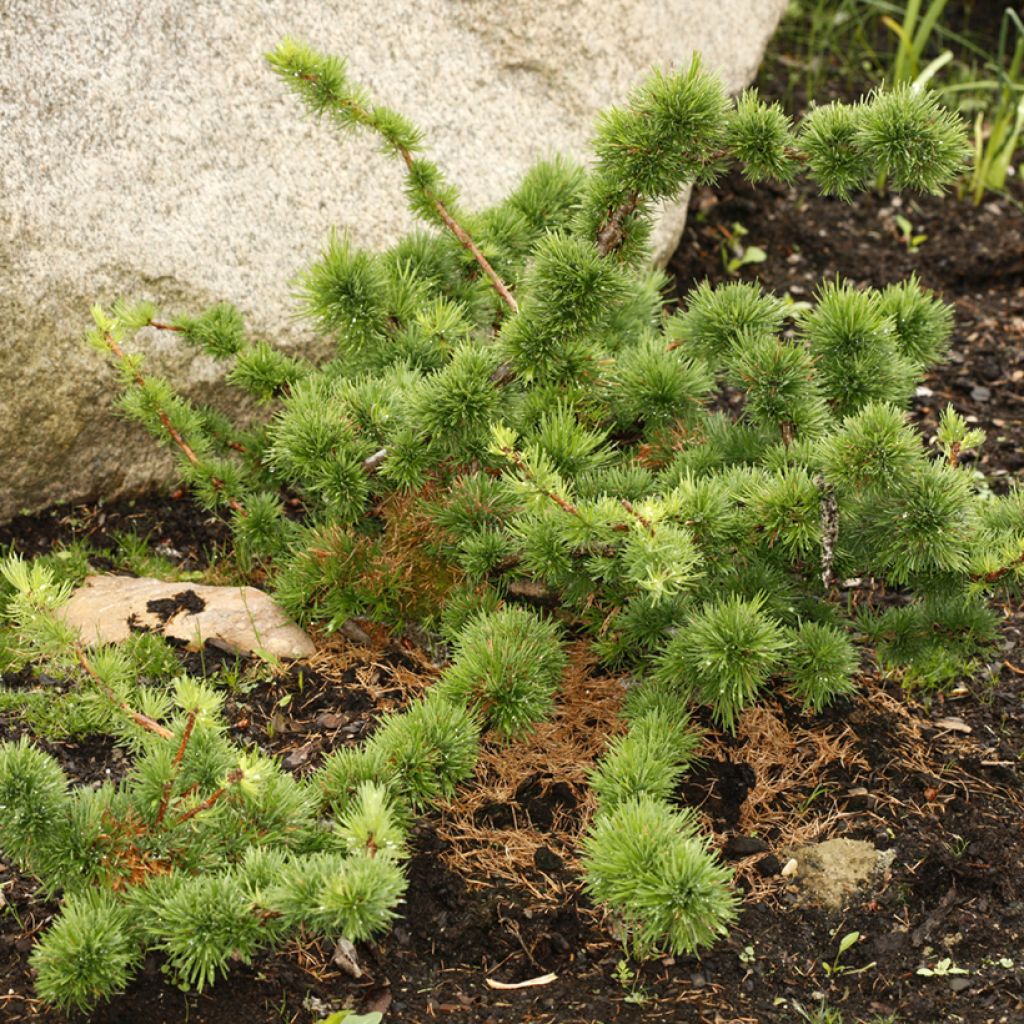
(507, 666)
(206, 852)
(514, 417)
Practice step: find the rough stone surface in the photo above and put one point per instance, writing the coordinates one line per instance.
(241, 620)
(830, 873)
(146, 150)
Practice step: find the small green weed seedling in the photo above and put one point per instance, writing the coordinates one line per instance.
(823, 1014)
(945, 968)
(351, 1017)
(837, 967)
(735, 253)
(912, 242)
(626, 976)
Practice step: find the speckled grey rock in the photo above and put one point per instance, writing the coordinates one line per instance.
(146, 150)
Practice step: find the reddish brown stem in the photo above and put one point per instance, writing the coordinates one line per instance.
(449, 221)
(517, 460)
(642, 520)
(172, 430)
(186, 735)
(233, 776)
(996, 575)
(136, 716)
(612, 231)
(467, 243)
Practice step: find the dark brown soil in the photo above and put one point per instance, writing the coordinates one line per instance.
(170, 524)
(947, 803)
(494, 891)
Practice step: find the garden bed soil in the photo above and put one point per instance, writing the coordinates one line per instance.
(494, 883)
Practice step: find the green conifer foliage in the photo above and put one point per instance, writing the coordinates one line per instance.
(724, 656)
(90, 952)
(507, 666)
(514, 418)
(649, 865)
(207, 852)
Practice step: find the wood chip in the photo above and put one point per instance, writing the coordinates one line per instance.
(505, 986)
(346, 958)
(952, 725)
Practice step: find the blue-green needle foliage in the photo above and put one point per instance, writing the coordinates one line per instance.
(512, 418)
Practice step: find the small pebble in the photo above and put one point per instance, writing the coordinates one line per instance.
(789, 869)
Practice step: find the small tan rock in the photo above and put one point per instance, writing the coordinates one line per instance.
(831, 872)
(242, 620)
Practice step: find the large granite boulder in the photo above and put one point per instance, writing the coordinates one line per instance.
(147, 151)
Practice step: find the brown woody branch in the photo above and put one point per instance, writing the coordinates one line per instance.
(442, 211)
(467, 242)
(186, 735)
(612, 231)
(136, 716)
(997, 574)
(172, 430)
(233, 776)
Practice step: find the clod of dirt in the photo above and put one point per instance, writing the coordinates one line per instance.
(744, 846)
(165, 608)
(547, 860)
(242, 620)
(830, 873)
